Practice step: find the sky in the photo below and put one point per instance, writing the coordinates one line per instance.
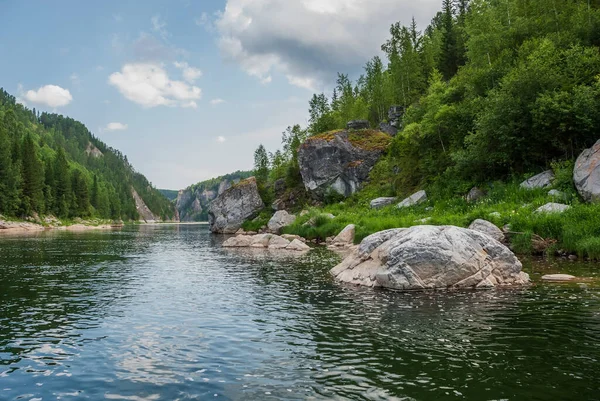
(188, 89)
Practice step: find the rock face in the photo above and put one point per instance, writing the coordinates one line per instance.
(475, 194)
(382, 202)
(414, 199)
(358, 124)
(430, 257)
(340, 161)
(93, 151)
(484, 226)
(230, 209)
(586, 173)
(279, 220)
(143, 210)
(552, 208)
(541, 180)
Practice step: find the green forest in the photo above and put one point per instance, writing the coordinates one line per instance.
(53, 165)
(493, 91)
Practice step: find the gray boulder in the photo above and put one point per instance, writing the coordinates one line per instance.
(484, 226)
(430, 257)
(552, 208)
(414, 199)
(541, 180)
(279, 220)
(358, 124)
(555, 193)
(234, 206)
(475, 194)
(388, 129)
(340, 161)
(382, 202)
(586, 173)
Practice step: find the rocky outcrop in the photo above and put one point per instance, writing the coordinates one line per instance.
(279, 220)
(340, 161)
(145, 213)
(415, 199)
(430, 257)
(382, 202)
(234, 206)
(541, 180)
(475, 194)
(484, 226)
(552, 208)
(586, 173)
(268, 241)
(358, 124)
(93, 151)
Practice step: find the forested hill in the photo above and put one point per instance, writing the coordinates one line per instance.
(53, 165)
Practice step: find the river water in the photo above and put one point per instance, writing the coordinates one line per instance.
(165, 313)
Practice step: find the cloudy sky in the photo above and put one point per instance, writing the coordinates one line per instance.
(187, 89)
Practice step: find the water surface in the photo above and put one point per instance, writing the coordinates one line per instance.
(165, 313)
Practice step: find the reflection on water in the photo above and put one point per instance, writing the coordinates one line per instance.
(164, 313)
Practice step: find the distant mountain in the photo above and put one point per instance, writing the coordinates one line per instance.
(53, 165)
(192, 202)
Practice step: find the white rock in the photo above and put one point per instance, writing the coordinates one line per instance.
(484, 226)
(296, 245)
(586, 173)
(558, 277)
(346, 236)
(552, 208)
(382, 202)
(541, 180)
(279, 220)
(277, 242)
(414, 199)
(428, 257)
(239, 241)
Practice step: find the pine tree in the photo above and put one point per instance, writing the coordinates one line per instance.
(62, 181)
(33, 178)
(9, 180)
(448, 58)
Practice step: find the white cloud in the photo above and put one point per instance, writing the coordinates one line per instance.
(308, 41)
(149, 85)
(49, 95)
(159, 26)
(190, 74)
(217, 101)
(221, 139)
(116, 127)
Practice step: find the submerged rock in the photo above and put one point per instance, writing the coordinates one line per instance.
(234, 206)
(558, 277)
(552, 208)
(378, 203)
(340, 161)
(430, 257)
(586, 173)
(279, 220)
(414, 199)
(541, 180)
(484, 226)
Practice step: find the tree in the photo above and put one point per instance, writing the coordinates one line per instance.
(33, 178)
(449, 59)
(62, 180)
(261, 164)
(9, 173)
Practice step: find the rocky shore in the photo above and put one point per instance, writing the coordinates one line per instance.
(51, 223)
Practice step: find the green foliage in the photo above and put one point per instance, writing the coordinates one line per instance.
(46, 167)
(258, 222)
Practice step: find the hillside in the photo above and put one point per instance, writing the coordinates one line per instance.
(53, 165)
(192, 203)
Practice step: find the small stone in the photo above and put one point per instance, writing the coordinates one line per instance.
(475, 194)
(541, 180)
(296, 245)
(573, 257)
(346, 236)
(414, 199)
(279, 220)
(277, 242)
(555, 193)
(558, 277)
(379, 203)
(552, 208)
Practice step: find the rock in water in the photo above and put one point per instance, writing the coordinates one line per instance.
(552, 208)
(340, 161)
(430, 257)
(414, 199)
(541, 180)
(237, 204)
(382, 202)
(296, 245)
(279, 220)
(586, 173)
(346, 236)
(484, 226)
(558, 277)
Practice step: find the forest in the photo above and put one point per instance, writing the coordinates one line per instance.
(53, 165)
(492, 89)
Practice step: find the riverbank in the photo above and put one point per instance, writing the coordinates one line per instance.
(51, 223)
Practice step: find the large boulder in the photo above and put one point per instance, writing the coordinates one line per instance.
(430, 257)
(586, 173)
(234, 206)
(340, 161)
(541, 180)
(484, 226)
(415, 199)
(378, 203)
(279, 220)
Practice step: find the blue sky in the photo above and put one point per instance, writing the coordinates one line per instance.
(188, 89)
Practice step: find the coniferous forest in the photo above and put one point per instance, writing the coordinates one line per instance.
(53, 165)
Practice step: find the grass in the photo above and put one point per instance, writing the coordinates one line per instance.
(257, 223)
(576, 231)
(367, 139)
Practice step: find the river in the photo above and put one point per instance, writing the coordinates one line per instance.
(164, 313)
